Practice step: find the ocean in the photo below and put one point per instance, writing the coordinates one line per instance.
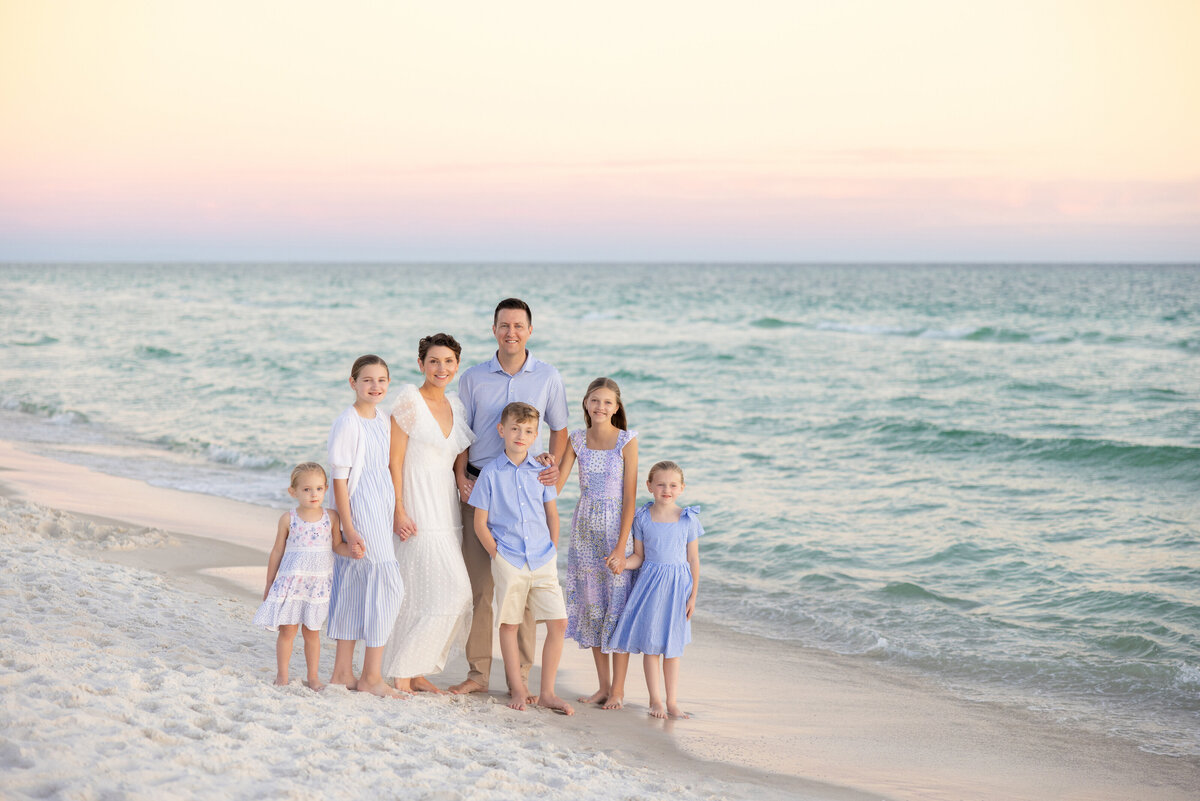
(986, 476)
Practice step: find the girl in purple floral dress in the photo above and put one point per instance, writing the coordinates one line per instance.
(597, 581)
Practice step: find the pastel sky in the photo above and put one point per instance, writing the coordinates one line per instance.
(804, 130)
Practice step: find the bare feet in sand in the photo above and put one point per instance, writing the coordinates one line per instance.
(555, 703)
(658, 710)
(420, 684)
(614, 702)
(382, 689)
(315, 685)
(280, 680)
(598, 697)
(675, 713)
(525, 699)
(468, 686)
(519, 700)
(346, 680)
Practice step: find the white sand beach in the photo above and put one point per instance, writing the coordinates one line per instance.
(130, 669)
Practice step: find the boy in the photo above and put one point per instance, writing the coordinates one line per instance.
(516, 521)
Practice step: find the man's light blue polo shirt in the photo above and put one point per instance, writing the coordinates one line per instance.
(515, 502)
(486, 389)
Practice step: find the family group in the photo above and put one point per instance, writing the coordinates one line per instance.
(390, 564)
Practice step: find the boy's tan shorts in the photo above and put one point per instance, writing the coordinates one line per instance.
(517, 587)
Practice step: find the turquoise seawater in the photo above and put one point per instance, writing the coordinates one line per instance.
(986, 475)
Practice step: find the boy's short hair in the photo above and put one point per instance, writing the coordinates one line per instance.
(519, 413)
(512, 303)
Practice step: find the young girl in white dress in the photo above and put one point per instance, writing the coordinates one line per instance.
(300, 573)
(429, 429)
(657, 617)
(367, 593)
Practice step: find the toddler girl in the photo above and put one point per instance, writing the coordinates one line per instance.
(300, 573)
(657, 617)
(597, 581)
(367, 593)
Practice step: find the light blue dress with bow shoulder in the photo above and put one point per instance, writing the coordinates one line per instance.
(654, 620)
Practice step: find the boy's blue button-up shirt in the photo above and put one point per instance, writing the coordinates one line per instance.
(515, 502)
(486, 389)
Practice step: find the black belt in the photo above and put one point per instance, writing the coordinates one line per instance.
(472, 471)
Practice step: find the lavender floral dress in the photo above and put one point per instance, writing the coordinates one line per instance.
(595, 597)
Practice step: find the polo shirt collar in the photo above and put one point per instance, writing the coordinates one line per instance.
(494, 364)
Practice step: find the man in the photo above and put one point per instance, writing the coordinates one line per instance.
(512, 374)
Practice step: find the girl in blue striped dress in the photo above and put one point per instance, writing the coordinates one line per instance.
(367, 592)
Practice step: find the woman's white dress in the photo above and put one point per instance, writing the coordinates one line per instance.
(437, 603)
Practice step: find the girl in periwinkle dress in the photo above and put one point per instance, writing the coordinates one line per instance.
(367, 593)
(597, 581)
(657, 617)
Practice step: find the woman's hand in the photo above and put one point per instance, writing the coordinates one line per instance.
(616, 561)
(465, 486)
(691, 607)
(403, 525)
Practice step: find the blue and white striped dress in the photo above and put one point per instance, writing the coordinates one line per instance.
(367, 592)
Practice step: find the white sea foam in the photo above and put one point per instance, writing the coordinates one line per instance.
(857, 328)
(235, 457)
(1188, 675)
(952, 333)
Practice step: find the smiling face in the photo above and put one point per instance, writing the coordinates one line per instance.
(512, 330)
(439, 366)
(666, 486)
(601, 405)
(309, 489)
(517, 435)
(371, 385)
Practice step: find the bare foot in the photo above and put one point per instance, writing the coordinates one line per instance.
(530, 698)
(598, 697)
(468, 686)
(520, 698)
(658, 710)
(280, 680)
(346, 680)
(315, 685)
(675, 713)
(615, 702)
(420, 684)
(555, 703)
(403, 685)
(382, 689)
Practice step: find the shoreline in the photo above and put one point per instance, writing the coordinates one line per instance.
(771, 719)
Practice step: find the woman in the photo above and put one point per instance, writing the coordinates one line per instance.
(429, 430)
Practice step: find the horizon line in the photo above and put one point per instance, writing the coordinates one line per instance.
(241, 262)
